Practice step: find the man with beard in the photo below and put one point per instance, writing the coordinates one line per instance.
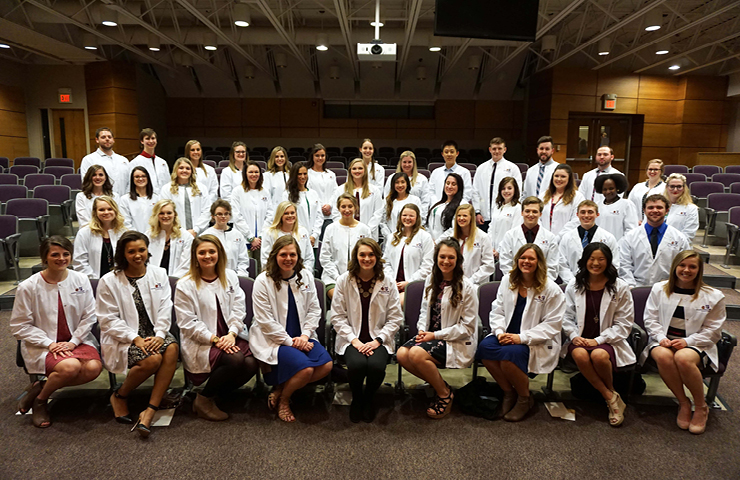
(539, 176)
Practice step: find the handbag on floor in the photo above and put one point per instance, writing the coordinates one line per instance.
(479, 398)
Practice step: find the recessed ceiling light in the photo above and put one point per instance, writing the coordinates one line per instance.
(674, 67)
(4, 45)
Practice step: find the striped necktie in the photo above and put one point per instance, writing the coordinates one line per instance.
(539, 179)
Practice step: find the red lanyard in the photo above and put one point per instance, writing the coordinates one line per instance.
(552, 208)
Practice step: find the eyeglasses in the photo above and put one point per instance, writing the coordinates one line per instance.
(240, 152)
(675, 187)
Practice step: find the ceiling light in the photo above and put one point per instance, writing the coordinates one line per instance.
(674, 67)
(249, 72)
(322, 42)
(281, 61)
(108, 17)
(210, 42)
(334, 72)
(154, 43)
(662, 48)
(374, 23)
(474, 62)
(89, 42)
(549, 43)
(242, 15)
(4, 45)
(653, 20)
(434, 44)
(604, 46)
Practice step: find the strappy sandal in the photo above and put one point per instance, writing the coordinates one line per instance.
(616, 410)
(26, 403)
(144, 430)
(285, 413)
(273, 399)
(441, 406)
(123, 418)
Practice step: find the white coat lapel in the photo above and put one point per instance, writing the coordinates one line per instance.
(606, 300)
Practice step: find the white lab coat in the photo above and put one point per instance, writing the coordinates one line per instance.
(618, 218)
(89, 248)
(371, 207)
(642, 190)
(209, 179)
(388, 226)
(116, 167)
(478, 262)
(200, 205)
(179, 250)
(637, 266)
(420, 189)
(197, 317)
(418, 257)
(704, 319)
(379, 179)
(159, 171)
(253, 211)
(459, 325)
(563, 217)
(231, 180)
(542, 320)
(277, 183)
(684, 218)
(571, 250)
(118, 318)
(336, 249)
(270, 305)
(384, 318)
(514, 240)
(482, 200)
(587, 183)
(83, 207)
(308, 210)
(616, 317)
(530, 181)
(36, 310)
(233, 241)
(437, 183)
(502, 220)
(324, 183)
(136, 213)
(304, 242)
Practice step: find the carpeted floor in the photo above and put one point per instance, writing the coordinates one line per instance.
(85, 442)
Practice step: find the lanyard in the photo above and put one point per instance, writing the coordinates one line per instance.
(552, 208)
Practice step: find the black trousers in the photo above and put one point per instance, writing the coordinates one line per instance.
(361, 367)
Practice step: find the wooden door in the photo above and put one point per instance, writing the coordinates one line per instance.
(586, 133)
(69, 134)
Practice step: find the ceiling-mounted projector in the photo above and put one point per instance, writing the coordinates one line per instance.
(376, 52)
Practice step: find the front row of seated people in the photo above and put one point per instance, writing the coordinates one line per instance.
(55, 311)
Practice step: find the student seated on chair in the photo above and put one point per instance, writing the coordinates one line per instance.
(598, 318)
(283, 333)
(366, 314)
(53, 315)
(286, 223)
(210, 308)
(447, 327)
(167, 239)
(683, 319)
(134, 308)
(525, 319)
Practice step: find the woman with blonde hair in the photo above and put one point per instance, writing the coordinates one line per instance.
(475, 245)
(95, 243)
(276, 176)
(283, 333)
(409, 254)
(654, 184)
(95, 184)
(232, 240)
(210, 307)
(395, 201)
(683, 319)
(167, 243)
(206, 174)
(376, 172)
(368, 196)
(286, 223)
(231, 176)
(683, 215)
(192, 202)
(561, 202)
(526, 319)
(419, 182)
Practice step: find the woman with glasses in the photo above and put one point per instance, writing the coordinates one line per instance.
(231, 176)
(683, 215)
(654, 184)
(232, 240)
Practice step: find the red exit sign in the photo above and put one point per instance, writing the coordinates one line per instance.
(65, 98)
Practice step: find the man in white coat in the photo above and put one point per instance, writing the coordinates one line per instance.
(530, 232)
(116, 166)
(439, 175)
(573, 242)
(488, 176)
(604, 158)
(538, 176)
(159, 171)
(646, 252)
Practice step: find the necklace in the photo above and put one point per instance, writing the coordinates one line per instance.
(590, 295)
(369, 291)
(108, 247)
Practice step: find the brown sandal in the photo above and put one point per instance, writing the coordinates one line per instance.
(285, 413)
(273, 399)
(40, 414)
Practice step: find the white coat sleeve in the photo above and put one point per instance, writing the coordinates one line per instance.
(239, 222)
(201, 222)
(566, 274)
(163, 321)
(551, 323)
(570, 317)
(427, 260)
(22, 320)
(227, 185)
(692, 223)
(187, 318)
(464, 328)
(242, 264)
(330, 272)
(272, 329)
(268, 239)
(88, 320)
(81, 260)
(506, 255)
(125, 206)
(624, 317)
(313, 315)
(393, 317)
(83, 214)
(497, 317)
(308, 256)
(238, 310)
(553, 261)
(109, 314)
(339, 315)
(711, 329)
(631, 219)
(488, 263)
(651, 315)
(626, 266)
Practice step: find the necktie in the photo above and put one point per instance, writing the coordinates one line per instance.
(539, 179)
(584, 241)
(529, 235)
(654, 241)
(188, 212)
(357, 212)
(493, 186)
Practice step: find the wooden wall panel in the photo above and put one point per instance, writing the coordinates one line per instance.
(455, 114)
(12, 147)
(376, 133)
(299, 112)
(706, 88)
(657, 111)
(689, 156)
(13, 124)
(183, 112)
(721, 159)
(338, 122)
(325, 132)
(365, 123)
(264, 132)
(575, 82)
(562, 105)
(402, 123)
(624, 105)
(494, 114)
(661, 135)
(223, 132)
(299, 132)
(622, 85)
(658, 88)
(456, 134)
(559, 131)
(416, 134)
(703, 111)
(261, 112)
(700, 136)
(110, 74)
(484, 135)
(222, 112)
(12, 99)
(669, 155)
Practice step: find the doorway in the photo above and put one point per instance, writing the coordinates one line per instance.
(586, 133)
(70, 139)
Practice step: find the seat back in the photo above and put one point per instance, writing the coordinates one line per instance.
(722, 202)
(434, 165)
(8, 226)
(36, 162)
(523, 167)
(223, 163)
(412, 306)
(486, 296)
(72, 180)
(726, 179)
(54, 194)
(27, 207)
(694, 177)
(33, 180)
(321, 293)
(4, 162)
(8, 179)
(334, 164)
(210, 162)
(703, 189)
(247, 285)
(670, 169)
(470, 166)
(262, 164)
(735, 187)
(338, 171)
(59, 162)
(707, 170)
(732, 169)
(734, 216)
(341, 180)
(12, 191)
(23, 170)
(424, 172)
(252, 268)
(639, 297)
(295, 159)
(59, 171)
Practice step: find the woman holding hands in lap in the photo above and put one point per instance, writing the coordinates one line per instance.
(684, 318)
(598, 318)
(210, 309)
(475, 245)
(447, 326)
(283, 333)
(366, 314)
(53, 315)
(526, 319)
(134, 307)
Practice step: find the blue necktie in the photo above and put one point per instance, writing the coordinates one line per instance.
(584, 240)
(539, 179)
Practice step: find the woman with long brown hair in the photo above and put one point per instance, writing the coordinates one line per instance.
(95, 243)
(95, 184)
(206, 174)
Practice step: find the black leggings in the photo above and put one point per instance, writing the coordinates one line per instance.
(230, 372)
(360, 367)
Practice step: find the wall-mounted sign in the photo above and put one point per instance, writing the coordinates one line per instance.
(65, 95)
(609, 101)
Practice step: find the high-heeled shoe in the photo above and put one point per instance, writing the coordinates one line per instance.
(144, 430)
(26, 403)
(697, 428)
(683, 423)
(40, 414)
(125, 419)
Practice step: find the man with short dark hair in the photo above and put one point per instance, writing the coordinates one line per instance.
(488, 176)
(646, 252)
(604, 158)
(115, 165)
(538, 176)
(439, 175)
(159, 171)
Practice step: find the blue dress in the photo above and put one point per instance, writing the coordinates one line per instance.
(490, 349)
(290, 359)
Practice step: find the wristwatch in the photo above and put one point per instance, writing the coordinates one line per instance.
(379, 340)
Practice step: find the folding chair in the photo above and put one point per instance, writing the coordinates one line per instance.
(33, 180)
(9, 236)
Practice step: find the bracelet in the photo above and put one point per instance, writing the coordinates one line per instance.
(232, 333)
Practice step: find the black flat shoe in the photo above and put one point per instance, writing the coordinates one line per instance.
(125, 419)
(355, 410)
(369, 412)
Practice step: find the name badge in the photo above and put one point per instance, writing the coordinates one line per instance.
(79, 291)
